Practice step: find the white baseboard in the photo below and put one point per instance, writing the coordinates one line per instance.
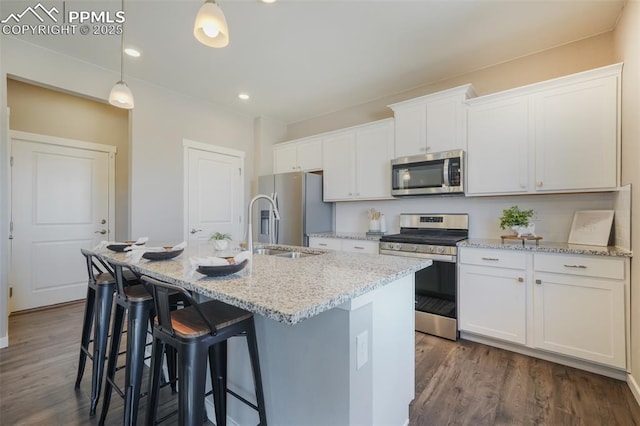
(4, 342)
(211, 414)
(635, 388)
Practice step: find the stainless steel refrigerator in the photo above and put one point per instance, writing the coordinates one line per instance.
(298, 196)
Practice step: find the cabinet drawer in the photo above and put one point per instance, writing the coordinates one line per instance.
(488, 257)
(325, 243)
(605, 267)
(360, 246)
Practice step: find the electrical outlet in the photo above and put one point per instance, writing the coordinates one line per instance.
(362, 349)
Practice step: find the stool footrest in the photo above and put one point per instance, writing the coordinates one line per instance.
(249, 403)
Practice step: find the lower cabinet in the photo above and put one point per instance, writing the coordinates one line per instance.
(576, 305)
(344, 244)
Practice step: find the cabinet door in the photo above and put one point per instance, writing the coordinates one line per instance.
(492, 302)
(339, 160)
(581, 317)
(325, 243)
(374, 150)
(444, 125)
(310, 155)
(576, 136)
(360, 246)
(497, 145)
(285, 159)
(410, 130)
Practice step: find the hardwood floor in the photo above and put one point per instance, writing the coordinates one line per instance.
(467, 383)
(457, 383)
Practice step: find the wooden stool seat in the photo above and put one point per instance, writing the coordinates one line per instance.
(188, 324)
(137, 293)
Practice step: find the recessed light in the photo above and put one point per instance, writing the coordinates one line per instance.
(132, 51)
(268, 1)
(243, 96)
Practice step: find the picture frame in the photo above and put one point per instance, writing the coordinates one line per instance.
(591, 227)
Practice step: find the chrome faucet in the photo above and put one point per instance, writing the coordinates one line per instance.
(250, 218)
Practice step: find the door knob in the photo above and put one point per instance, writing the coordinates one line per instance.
(104, 231)
(103, 221)
(193, 230)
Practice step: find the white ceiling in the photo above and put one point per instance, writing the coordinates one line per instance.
(303, 58)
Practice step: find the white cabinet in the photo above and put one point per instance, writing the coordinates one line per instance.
(560, 135)
(431, 123)
(355, 246)
(492, 299)
(579, 307)
(357, 162)
(295, 156)
(576, 305)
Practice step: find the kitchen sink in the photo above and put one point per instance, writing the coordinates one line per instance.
(281, 253)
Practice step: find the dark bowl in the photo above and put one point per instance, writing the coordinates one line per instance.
(121, 247)
(162, 255)
(219, 271)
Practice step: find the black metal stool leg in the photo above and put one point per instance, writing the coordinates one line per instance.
(86, 333)
(116, 334)
(252, 343)
(157, 351)
(104, 297)
(218, 370)
(191, 384)
(136, 339)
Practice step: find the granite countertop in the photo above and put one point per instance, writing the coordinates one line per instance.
(285, 290)
(345, 236)
(545, 247)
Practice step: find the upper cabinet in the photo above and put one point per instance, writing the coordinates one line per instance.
(300, 155)
(431, 123)
(561, 135)
(357, 162)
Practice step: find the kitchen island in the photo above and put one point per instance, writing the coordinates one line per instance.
(335, 333)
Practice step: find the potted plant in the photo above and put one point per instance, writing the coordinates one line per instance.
(220, 240)
(518, 221)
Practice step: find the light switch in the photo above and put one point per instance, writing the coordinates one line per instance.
(362, 349)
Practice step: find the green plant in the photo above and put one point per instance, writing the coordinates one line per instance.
(220, 236)
(513, 216)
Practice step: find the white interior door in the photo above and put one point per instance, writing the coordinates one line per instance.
(61, 201)
(214, 182)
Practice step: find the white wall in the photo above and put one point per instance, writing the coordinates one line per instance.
(160, 121)
(554, 213)
(627, 44)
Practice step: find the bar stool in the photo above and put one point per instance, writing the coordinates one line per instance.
(97, 314)
(199, 332)
(137, 303)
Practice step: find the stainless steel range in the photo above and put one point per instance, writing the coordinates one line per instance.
(432, 236)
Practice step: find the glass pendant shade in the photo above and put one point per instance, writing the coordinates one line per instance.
(121, 96)
(210, 27)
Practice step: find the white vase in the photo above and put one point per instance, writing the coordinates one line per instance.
(525, 231)
(220, 244)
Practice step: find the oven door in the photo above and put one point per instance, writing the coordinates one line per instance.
(435, 301)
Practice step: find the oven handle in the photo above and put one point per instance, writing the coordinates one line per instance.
(436, 257)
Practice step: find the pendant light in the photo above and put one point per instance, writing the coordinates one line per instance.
(210, 27)
(121, 95)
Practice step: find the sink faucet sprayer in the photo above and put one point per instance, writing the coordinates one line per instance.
(250, 218)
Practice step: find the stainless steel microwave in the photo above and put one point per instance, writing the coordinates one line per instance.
(428, 174)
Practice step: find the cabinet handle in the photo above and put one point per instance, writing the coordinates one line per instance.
(293, 167)
(350, 194)
(538, 282)
(575, 266)
(520, 279)
(358, 247)
(322, 244)
(493, 259)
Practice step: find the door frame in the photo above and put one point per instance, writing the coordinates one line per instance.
(188, 145)
(68, 143)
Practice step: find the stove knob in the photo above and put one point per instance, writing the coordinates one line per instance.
(431, 249)
(396, 246)
(414, 248)
(441, 250)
